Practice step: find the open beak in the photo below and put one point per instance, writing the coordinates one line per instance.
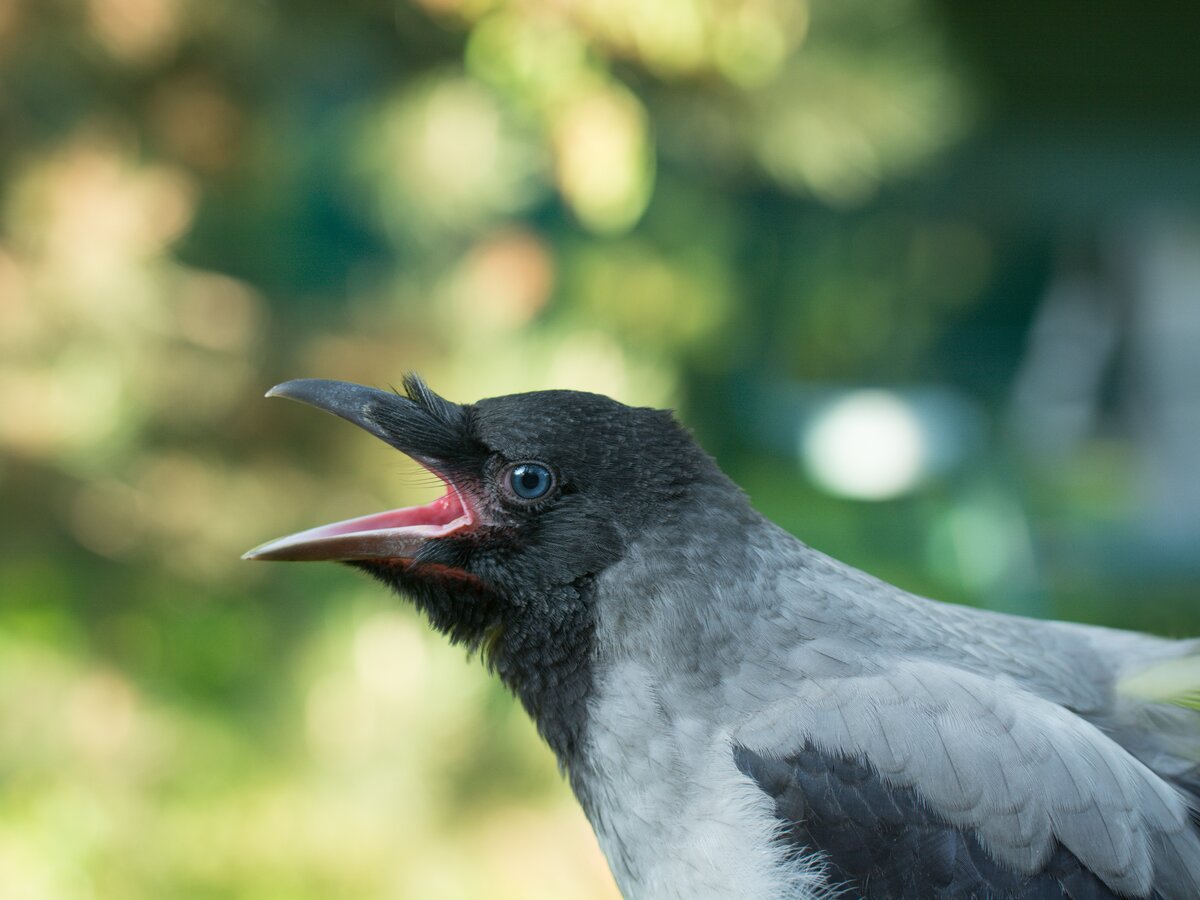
(409, 427)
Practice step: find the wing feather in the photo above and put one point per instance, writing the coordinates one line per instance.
(1020, 774)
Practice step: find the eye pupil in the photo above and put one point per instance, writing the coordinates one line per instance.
(530, 481)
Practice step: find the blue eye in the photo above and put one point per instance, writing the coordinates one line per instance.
(529, 481)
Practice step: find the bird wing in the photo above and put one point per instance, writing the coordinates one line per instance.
(970, 783)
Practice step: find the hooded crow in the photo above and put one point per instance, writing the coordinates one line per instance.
(742, 716)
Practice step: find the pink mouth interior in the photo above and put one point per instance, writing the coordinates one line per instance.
(395, 534)
(441, 516)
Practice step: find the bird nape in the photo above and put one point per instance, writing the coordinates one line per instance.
(742, 716)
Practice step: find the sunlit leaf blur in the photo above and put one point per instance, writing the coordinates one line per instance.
(924, 276)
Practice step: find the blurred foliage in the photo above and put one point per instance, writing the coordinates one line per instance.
(669, 202)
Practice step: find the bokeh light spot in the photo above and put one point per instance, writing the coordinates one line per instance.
(868, 445)
(604, 159)
(136, 31)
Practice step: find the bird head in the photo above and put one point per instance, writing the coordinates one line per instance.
(544, 491)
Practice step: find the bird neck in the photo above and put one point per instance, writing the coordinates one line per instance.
(543, 652)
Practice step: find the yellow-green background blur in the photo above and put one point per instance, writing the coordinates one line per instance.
(924, 276)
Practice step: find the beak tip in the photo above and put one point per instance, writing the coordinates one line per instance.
(337, 397)
(280, 390)
(261, 552)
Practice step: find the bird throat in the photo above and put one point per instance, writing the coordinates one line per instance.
(543, 652)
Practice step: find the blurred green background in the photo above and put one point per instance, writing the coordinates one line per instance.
(924, 276)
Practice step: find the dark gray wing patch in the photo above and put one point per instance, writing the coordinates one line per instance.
(884, 842)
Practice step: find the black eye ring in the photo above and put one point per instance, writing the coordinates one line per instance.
(530, 480)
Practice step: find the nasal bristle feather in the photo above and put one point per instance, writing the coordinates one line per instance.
(439, 427)
(441, 409)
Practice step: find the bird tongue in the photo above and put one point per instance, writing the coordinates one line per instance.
(395, 534)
